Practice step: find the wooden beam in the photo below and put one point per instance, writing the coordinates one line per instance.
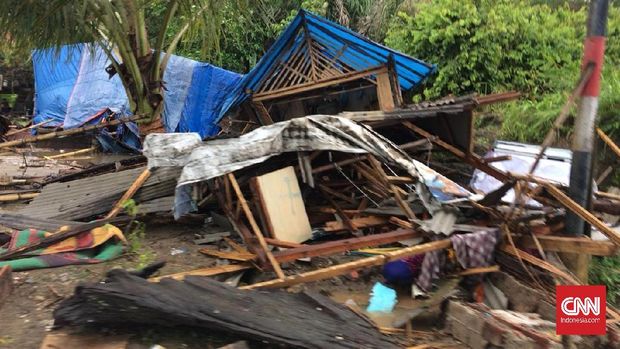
(212, 271)
(384, 91)
(471, 158)
(357, 223)
(73, 131)
(540, 263)
(263, 113)
(570, 245)
(254, 226)
(613, 235)
(283, 244)
(610, 143)
(131, 191)
(355, 265)
(234, 255)
(317, 84)
(340, 246)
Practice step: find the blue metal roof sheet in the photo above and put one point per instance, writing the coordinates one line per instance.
(356, 51)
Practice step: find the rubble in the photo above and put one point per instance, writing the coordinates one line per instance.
(352, 184)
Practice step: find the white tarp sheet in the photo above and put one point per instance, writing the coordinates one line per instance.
(203, 161)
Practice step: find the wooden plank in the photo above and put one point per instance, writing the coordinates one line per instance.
(471, 158)
(284, 244)
(613, 235)
(234, 255)
(283, 206)
(73, 131)
(540, 263)
(255, 229)
(340, 246)
(340, 269)
(212, 271)
(570, 245)
(610, 143)
(346, 222)
(263, 113)
(384, 92)
(358, 223)
(131, 191)
(317, 85)
(401, 223)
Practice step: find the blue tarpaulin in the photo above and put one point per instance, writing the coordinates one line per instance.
(72, 85)
(349, 47)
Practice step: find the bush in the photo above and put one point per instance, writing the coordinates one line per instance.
(486, 46)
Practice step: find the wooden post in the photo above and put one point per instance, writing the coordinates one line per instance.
(257, 232)
(358, 264)
(610, 143)
(263, 113)
(384, 91)
(137, 184)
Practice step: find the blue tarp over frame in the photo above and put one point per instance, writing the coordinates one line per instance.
(355, 50)
(71, 85)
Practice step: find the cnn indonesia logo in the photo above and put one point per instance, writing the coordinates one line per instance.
(580, 310)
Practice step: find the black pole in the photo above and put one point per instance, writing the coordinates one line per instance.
(580, 189)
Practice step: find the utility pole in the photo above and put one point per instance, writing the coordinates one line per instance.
(580, 189)
(583, 137)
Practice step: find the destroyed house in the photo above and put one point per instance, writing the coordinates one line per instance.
(319, 67)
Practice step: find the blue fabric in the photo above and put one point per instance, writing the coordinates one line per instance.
(210, 86)
(360, 53)
(398, 273)
(55, 74)
(382, 299)
(72, 85)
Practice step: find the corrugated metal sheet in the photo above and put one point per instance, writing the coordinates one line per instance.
(95, 195)
(19, 222)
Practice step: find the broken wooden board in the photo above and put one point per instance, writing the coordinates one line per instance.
(212, 271)
(359, 223)
(65, 340)
(281, 201)
(303, 320)
(344, 268)
(339, 246)
(571, 245)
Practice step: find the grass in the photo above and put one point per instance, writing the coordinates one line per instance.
(606, 271)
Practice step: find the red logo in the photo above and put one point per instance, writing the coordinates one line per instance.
(580, 310)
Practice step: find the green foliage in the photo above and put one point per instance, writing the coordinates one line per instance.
(136, 236)
(486, 46)
(606, 271)
(534, 47)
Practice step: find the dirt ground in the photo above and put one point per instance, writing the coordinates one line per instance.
(26, 318)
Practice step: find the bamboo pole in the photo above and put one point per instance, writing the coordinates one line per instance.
(17, 196)
(14, 132)
(358, 264)
(71, 153)
(257, 232)
(79, 130)
(137, 184)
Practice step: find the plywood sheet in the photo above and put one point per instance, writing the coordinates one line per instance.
(283, 206)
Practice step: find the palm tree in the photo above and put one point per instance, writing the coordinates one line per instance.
(120, 28)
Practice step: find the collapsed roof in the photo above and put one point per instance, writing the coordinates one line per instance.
(313, 52)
